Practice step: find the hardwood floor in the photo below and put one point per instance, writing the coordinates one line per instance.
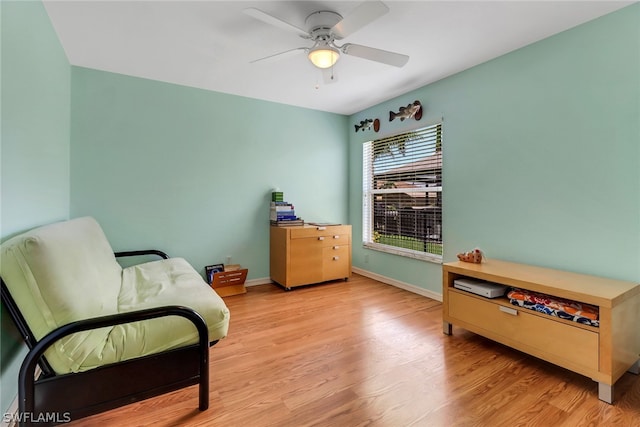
(362, 353)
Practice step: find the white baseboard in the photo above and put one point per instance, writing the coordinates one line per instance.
(398, 284)
(259, 281)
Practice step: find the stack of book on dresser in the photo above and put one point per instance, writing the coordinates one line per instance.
(283, 213)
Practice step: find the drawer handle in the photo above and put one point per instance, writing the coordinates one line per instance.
(508, 310)
(336, 237)
(320, 238)
(335, 258)
(321, 228)
(336, 247)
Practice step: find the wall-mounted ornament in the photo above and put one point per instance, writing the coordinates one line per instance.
(411, 111)
(376, 125)
(364, 125)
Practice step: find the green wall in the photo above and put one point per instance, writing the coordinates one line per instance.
(190, 171)
(34, 165)
(542, 156)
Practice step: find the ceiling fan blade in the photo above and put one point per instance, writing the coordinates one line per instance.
(277, 22)
(372, 54)
(280, 55)
(362, 15)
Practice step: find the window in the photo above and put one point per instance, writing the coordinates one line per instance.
(402, 188)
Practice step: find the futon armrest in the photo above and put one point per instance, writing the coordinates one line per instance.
(142, 252)
(30, 362)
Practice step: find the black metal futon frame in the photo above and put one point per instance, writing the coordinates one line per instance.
(53, 398)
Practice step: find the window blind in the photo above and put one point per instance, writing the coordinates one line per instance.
(402, 188)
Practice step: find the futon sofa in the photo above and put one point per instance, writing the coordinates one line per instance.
(104, 335)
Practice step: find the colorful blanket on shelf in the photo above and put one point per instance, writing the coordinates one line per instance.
(564, 309)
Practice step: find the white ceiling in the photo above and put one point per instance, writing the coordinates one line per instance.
(209, 44)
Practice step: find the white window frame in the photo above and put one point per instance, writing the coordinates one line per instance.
(369, 194)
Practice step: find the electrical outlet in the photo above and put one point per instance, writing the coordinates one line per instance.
(366, 259)
(228, 259)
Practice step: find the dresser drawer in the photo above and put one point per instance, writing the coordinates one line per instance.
(335, 240)
(335, 262)
(342, 231)
(551, 339)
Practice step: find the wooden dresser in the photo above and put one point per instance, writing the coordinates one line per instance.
(302, 255)
(602, 353)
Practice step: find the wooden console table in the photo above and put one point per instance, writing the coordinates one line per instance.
(603, 353)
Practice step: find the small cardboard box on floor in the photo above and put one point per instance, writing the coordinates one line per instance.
(230, 281)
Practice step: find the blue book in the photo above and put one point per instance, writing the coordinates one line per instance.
(286, 217)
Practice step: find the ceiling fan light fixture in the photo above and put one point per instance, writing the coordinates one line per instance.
(324, 56)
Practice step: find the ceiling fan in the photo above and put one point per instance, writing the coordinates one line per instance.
(325, 27)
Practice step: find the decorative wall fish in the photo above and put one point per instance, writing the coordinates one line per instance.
(364, 125)
(409, 112)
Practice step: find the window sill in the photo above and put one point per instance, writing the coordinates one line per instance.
(408, 253)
